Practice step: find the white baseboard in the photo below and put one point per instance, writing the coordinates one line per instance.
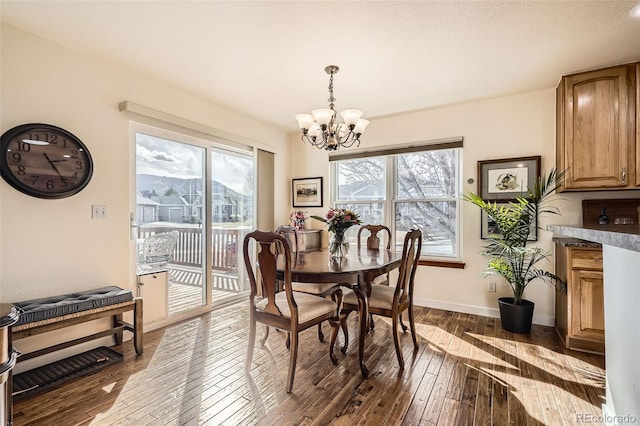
(477, 310)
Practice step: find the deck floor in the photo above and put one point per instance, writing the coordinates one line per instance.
(185, 288)
(467, 371)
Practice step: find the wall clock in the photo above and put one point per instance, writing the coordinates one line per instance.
(44, 161)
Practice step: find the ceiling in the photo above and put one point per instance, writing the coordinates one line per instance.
(267, 58)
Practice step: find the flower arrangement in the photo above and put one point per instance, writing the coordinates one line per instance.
(298, 219)
(339, 219)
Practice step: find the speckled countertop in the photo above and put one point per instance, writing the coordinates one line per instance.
(575, 242)
(621, 236)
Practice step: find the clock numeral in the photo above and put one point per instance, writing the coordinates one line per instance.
(74, 153)
(75, 175)
(23, 146)
(16, 157)
(50, 184)
(34, 179)
(53, 139)
(64, 181)
(78, 165)
(21, 170)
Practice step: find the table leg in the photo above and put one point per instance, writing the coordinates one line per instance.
(363, 312)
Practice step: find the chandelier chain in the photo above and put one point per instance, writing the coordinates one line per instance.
(331, 98)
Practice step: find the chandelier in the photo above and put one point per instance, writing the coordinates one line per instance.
(321, 129)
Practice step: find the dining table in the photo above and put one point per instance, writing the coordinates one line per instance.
(356, 271)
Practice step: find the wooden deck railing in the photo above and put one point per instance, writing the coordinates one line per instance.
(189, 246)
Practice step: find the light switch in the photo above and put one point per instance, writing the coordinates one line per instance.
(98, 212)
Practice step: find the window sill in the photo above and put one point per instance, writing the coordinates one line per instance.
(455, 264)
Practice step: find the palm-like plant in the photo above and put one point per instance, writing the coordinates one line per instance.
(509, 256)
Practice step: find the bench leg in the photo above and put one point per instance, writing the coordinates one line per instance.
(137, 327)
(116, 320)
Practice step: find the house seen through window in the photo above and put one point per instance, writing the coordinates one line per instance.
(418, 188)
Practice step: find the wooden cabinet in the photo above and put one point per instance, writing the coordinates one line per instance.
(580, 307)
(637, 105)
(9, 315)
(596, 132)
(153, 287)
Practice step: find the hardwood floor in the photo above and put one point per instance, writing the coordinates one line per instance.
(467, 371)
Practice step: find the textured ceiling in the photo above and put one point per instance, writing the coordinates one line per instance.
(267, 59)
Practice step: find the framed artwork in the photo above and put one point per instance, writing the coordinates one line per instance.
(507, 179)
(307, 192)
(489, 229)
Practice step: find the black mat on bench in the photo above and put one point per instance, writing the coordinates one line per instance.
(49, 376)
(56, 306)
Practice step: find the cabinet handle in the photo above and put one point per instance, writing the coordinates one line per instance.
(623, 176)
(597, 259)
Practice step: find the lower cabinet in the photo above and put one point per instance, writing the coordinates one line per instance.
(580, 307)
(154, 288)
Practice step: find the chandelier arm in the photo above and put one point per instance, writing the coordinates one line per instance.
(314, 143)
(348, 140)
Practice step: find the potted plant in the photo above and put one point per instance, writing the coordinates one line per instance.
(509, 255)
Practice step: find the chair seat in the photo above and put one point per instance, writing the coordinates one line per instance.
(381, 280)
(381, 297)
(312, 288)
(309, 306)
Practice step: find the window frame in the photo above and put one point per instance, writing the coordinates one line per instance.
(391, 200)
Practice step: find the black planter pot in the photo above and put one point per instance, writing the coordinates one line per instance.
(516, 318)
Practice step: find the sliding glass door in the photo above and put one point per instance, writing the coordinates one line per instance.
(170, 177)
(208, 205)
(232, 183)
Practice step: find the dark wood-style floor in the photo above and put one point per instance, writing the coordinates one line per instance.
(467, 371)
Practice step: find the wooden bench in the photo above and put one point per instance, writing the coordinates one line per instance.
(44, 315)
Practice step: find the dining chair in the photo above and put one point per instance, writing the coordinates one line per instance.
(316, 289)
(282, 308)
(374, 241)
(389, 301)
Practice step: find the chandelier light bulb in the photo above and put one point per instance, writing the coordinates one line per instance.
(323, 116)
(360, 126)
(351, 116)
(323, 131)
(304, 120)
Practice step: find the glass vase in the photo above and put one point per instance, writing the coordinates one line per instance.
(338, 244)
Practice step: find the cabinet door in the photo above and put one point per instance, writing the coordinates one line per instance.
(587, 305)
(637, 108)
(153, 288)
(596, 129)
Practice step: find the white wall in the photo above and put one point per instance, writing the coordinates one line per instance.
(510, 126)
(50, 247)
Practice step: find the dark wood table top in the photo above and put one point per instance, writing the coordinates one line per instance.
(319, 266)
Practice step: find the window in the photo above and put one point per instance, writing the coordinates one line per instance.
(416, 187)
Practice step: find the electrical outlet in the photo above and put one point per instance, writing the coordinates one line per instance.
(492, 286)
(98, 212)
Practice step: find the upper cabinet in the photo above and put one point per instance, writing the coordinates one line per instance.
(597, 138)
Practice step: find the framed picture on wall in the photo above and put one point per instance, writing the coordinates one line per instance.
(507, 179)
(489, 229)
(307, 192)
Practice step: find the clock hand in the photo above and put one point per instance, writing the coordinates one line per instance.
(53, 165)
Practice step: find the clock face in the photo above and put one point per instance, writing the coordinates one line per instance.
(44, 161)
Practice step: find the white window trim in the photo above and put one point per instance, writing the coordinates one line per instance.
(391, 198)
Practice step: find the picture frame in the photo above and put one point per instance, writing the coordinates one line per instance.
(306, 192)
(489, 230)
(507, 179)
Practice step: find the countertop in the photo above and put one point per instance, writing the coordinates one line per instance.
(575, 242)
(621, 236)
